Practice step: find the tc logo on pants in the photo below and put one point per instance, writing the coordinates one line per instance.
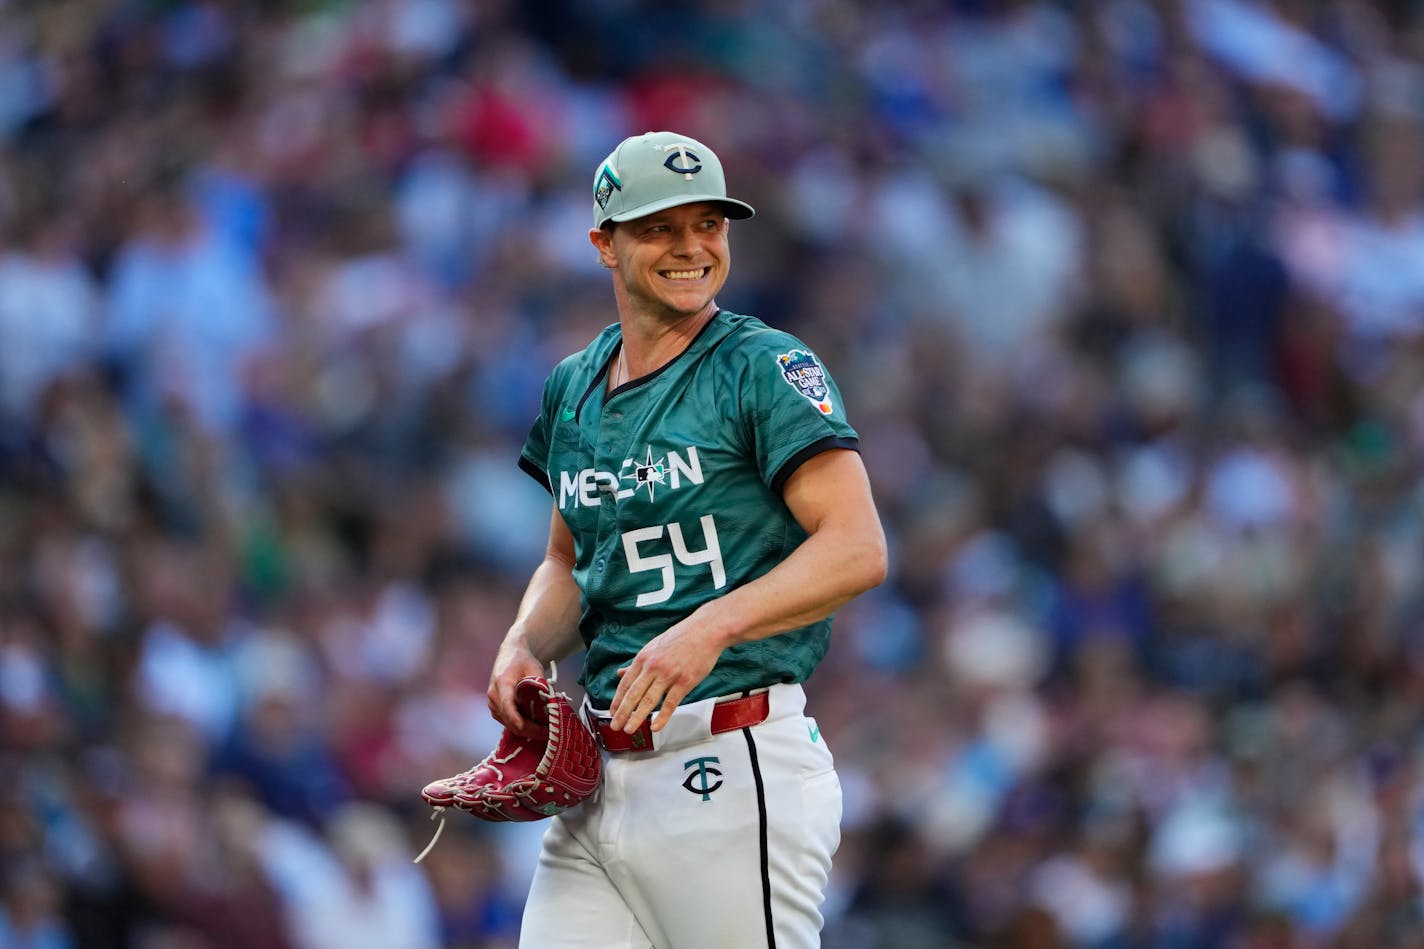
(703, 776)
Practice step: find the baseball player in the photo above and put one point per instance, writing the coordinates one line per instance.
(710, 513)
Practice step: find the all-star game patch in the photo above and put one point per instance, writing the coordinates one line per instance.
(802, 370)
(605, 185)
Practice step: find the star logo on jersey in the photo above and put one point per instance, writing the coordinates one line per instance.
(648, 474)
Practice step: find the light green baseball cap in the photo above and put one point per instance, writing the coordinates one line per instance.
(659, 170)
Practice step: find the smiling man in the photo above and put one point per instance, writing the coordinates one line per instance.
(710, 513)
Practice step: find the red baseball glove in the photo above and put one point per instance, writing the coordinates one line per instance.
(524, 779)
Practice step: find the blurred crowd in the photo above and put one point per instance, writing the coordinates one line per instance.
(1126, 298)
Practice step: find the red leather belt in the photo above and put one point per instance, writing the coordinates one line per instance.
(727, 716)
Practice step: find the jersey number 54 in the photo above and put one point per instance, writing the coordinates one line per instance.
(638, 562)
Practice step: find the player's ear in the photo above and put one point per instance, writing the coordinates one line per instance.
(602, 240)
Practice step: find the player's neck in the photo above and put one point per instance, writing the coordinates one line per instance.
(651, 341)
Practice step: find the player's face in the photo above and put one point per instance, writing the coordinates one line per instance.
(671, 262)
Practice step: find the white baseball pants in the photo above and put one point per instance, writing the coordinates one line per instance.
(705, 842)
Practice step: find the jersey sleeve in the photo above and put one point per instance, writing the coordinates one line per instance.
(793, 408)
(534, 456)
(565, 390)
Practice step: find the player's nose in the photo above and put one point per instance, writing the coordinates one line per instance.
(688, 243)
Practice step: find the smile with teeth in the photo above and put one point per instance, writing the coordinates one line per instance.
(697, 274)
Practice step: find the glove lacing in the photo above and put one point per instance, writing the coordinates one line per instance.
(491, 763)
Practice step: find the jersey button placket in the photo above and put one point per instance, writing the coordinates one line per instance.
(609, 433)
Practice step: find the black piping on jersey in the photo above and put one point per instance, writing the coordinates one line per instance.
(542, 476)
(633, 383)
(806, 454)
(597, 381)
(762, 836)
(537, 473)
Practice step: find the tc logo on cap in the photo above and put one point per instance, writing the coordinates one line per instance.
(684, 162)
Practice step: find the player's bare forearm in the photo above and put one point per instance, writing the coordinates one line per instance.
(843, 556)
(826, 572)
(545, 627)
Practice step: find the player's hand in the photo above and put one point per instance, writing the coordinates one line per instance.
(510, 665)
(664, 671)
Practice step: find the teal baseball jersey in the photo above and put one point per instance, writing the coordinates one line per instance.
(671, 486)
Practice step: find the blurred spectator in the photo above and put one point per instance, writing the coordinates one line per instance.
(48, 313)
(188, 309)
(29, 918)
(361, 890)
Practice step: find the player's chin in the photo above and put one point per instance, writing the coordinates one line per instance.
(690, 296)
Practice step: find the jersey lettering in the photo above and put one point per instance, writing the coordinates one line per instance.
(692, 467)
(580, 486)
(584, 487)
(711, 554)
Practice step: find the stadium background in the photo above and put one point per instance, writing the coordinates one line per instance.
(1126, 298)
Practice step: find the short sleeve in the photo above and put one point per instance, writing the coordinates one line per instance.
(534, 456)
(569, 384)
(792, 407)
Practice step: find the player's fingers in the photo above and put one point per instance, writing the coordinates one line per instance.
(625, 700)
(619, 694)
(505, 711)
(670, 703)
(643, 709)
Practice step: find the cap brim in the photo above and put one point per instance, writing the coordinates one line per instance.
(736, 210)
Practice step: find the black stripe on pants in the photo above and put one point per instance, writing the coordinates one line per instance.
(765, 856)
